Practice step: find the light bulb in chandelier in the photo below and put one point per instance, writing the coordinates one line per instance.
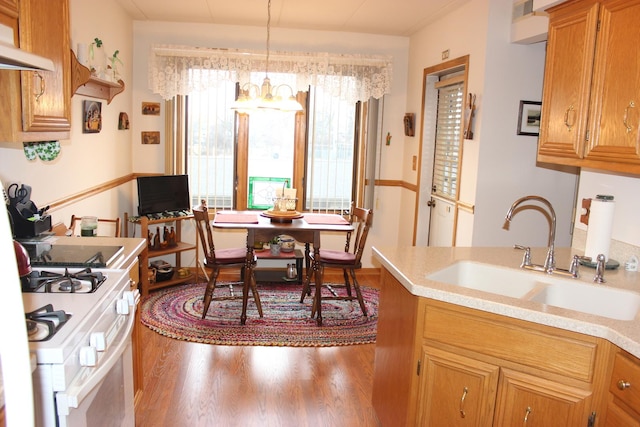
(265, 97)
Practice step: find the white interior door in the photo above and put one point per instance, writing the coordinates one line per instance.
(442, 222)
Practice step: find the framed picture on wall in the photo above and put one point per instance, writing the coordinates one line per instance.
(152, 137)
(123, 121)
(92, 116)
(151, 108)
(529, 118)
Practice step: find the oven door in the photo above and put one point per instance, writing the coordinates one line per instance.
(103, 395)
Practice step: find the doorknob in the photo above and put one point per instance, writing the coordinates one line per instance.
(431, 203)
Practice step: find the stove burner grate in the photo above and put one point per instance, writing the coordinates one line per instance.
(65, 284)
(44, 322)
(83, 281)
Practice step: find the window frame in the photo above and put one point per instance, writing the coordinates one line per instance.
(177, 123)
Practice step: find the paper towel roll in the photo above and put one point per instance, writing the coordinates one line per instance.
(600, 228)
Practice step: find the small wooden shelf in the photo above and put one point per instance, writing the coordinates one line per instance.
(83, 83)
(144, 223)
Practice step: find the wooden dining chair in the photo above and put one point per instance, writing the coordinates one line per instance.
(348, 261)
(113, 223)
(218, 259)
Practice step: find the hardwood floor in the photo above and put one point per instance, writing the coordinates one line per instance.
(191, 384)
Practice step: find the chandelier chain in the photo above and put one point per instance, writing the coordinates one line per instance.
(268, 35)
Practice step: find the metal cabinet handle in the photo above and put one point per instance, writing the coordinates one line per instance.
(464, 396)
(566, 118)
(43, 86)
(625, 119)
(526, 415)
(623, 385)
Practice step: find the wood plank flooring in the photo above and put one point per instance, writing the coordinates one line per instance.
(191, 384)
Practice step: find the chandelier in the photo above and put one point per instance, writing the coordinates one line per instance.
(254, 98)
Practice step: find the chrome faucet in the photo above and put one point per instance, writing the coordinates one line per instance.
(550, 261)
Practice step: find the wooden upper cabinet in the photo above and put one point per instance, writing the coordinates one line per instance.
(9, 8)
(591, 95)
(46, 99)
(36, 106)
(567, 81)
(615, 120)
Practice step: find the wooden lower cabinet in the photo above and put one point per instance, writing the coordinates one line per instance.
(466, 367)
(461, 391)
(531, 401)
(624, 392)
(457, 389)
(136, 343)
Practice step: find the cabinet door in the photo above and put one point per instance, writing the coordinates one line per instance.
(46, 95)
(615, 119)
(617, 417)
(524, 400)
(455, 390)
(567, 80)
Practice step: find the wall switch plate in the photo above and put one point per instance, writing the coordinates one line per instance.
(445, 54)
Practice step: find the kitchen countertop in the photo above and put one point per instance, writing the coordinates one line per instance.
(411, 265)
(132, 246)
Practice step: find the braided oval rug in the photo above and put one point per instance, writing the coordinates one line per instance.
(176, 312)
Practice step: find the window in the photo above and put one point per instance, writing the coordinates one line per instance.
(210, 146)
(331, 152)
(448, 138)
(317, 154)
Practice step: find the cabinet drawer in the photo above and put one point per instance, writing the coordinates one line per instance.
(625, 381)
(511, 339)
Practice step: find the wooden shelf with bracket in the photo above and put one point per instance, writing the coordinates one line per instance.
(83, 83)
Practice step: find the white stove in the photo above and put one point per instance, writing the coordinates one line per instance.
(89, 351)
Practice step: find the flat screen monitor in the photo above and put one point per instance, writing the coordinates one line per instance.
(164, 193)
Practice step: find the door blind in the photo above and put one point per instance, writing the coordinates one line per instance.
(448, 137)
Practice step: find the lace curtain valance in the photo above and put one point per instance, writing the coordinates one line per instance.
(179, 70)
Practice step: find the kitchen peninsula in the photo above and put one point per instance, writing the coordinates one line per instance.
(446, 351)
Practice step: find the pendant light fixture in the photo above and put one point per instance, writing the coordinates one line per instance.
(254, 98)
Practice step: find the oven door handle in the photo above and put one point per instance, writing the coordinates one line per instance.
(80, 388)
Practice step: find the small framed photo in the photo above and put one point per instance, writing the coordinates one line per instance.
(92, 116)
(409, 124)
(123, 121)
(529, 118)
(151, 137)
(151, 108)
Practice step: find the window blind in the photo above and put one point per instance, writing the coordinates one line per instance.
(448, 137)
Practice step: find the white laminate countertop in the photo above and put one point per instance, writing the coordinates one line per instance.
(411, 265)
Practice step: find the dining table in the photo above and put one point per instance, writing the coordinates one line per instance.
(263, 226)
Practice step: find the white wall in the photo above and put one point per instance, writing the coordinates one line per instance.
(498, 166)
(86, 160)
(426, 51)
(508, 168)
